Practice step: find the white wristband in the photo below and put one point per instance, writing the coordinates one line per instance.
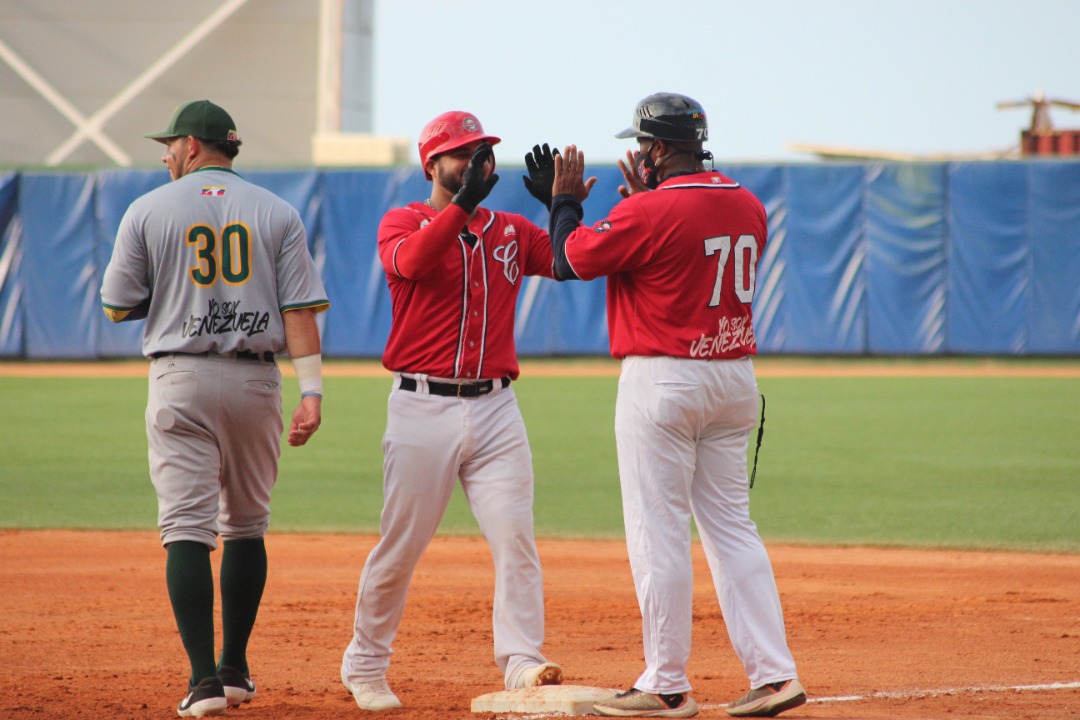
(309, 374)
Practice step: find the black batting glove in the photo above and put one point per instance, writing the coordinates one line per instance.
(474, 187)
(541, 165)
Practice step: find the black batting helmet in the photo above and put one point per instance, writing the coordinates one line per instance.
(668, 116)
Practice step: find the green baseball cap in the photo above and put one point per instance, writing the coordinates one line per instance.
(202, 119)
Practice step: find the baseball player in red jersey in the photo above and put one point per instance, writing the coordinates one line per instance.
(454, 270)
(680, 252)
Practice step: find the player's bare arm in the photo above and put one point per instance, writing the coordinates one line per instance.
(305, 348)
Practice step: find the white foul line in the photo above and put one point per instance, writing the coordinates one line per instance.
(916, 694)
(885, 695)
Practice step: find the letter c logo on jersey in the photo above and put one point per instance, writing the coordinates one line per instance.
(507, 255)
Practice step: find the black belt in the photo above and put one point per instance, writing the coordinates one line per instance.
(465, 390)
(247, 355)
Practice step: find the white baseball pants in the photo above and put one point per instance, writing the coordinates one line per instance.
(430, 442)
(681, 430)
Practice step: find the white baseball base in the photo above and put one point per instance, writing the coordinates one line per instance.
(566, 699)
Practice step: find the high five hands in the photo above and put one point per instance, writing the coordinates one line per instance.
(544, 168)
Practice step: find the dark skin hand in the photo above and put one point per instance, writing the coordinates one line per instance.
(570, 174)
(629, 173)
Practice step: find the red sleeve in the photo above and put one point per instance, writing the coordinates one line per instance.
(618, 243)
(411, 244)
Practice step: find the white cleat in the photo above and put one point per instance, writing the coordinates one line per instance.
(374, 695)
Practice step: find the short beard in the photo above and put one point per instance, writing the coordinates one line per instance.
(450, 183)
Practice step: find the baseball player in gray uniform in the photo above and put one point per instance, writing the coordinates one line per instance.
(221, 271)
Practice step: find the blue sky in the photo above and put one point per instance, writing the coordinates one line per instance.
(911, 76)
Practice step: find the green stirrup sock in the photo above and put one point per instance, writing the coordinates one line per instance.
(191, 592)
(243, 577)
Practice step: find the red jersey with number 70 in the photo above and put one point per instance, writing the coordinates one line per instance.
(681, 263)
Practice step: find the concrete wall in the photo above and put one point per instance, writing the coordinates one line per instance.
(260, 64)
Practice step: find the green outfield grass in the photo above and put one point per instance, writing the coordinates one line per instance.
(960, 462)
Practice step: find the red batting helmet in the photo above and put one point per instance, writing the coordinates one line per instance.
(449, 131)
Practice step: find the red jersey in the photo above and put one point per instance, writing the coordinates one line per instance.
(454, 305)
(681, 263)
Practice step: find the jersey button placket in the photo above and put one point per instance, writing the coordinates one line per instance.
(474, 325)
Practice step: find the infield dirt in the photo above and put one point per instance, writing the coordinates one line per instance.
(87, 631)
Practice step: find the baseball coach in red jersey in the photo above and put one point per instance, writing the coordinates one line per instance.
(680, 253)
(454, 270)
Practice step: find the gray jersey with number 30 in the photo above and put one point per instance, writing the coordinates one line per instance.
(220, 259)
